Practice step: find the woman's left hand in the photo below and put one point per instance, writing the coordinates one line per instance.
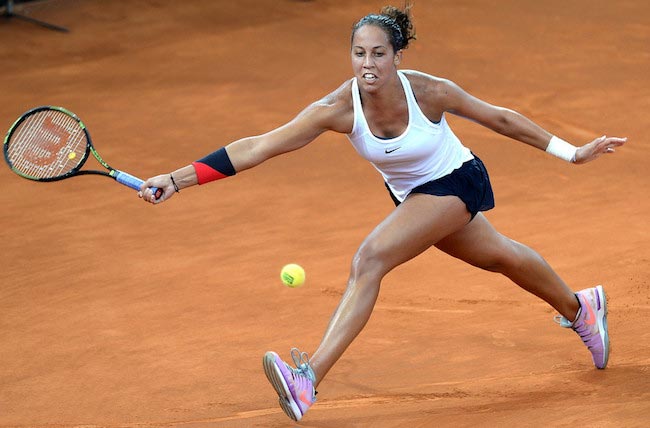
(598, 147)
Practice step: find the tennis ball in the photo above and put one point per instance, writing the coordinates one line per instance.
(72, 155)
(292, 275)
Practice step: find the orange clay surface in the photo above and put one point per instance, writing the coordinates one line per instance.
(114, 313)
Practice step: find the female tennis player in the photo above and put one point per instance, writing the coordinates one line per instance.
(396, 120)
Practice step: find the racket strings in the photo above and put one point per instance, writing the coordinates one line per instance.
(47, 144)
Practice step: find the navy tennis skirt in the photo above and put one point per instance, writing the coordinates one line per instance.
(470, 183)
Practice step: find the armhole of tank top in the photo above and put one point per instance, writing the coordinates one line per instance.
(414, 100)
(353, 92)
(359, 119)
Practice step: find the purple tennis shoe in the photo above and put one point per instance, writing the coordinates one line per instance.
(591, 323)
(295, 387)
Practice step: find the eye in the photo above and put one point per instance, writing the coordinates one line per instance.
(358, 54)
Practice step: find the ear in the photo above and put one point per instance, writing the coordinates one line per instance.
(398, 57)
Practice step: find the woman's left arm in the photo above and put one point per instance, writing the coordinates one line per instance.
(515, 125)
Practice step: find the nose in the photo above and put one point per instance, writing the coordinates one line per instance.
(368, 62)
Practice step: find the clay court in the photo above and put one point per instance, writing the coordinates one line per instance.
(115, 313)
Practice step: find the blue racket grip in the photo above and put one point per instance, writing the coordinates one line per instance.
(134, 182)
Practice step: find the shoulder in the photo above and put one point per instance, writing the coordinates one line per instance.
(427, 86)
(335, 111)
(339, 98)
(434, 95)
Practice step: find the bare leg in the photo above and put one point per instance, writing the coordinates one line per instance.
(518, 262)
(414, 226)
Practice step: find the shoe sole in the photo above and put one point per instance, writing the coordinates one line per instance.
(602, 325)
(274, 375)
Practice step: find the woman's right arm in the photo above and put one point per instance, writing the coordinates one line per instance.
(303, 129)
(329, 113)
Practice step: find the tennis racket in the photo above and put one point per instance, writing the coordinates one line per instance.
(50, 143)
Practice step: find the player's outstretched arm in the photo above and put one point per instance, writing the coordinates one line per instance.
(237, 156)
(323, 115)
(517, 126)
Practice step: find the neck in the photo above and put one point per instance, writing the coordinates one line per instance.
(385, 96)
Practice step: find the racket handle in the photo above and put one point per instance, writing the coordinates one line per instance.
(134, 182)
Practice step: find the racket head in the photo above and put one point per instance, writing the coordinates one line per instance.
(47, 143)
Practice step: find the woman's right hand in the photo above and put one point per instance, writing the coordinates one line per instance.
(163, 182)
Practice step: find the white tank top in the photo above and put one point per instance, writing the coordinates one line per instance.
(425, 151)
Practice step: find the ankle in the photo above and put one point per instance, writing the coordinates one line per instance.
(572, 310)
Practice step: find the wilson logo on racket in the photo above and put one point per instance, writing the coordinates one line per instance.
(51, 143)
(54, 137)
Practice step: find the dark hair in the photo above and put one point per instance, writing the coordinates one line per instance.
(394, 21)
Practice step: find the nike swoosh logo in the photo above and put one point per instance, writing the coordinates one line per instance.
(304, 399)
(590, 319)
(392, 150)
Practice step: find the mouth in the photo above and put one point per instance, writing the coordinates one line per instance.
(369, 77)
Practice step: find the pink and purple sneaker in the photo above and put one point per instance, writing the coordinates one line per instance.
(591, 323)
(295, 387)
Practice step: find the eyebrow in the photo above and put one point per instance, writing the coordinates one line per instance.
(375, 47)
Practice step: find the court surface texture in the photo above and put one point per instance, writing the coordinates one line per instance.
(115, 313)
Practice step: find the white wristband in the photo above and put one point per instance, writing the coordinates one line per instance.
(561, 149)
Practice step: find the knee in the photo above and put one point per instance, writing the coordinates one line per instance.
(369, 265)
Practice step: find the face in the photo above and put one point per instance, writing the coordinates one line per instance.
(373, 60)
